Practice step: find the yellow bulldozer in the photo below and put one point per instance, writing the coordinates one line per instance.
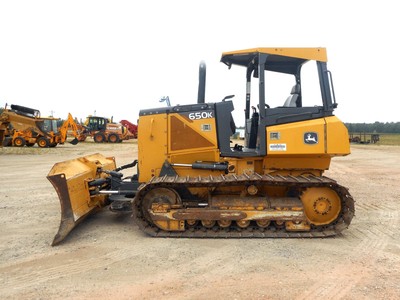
(192, 181)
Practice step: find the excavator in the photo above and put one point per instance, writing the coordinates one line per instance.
(193, 182)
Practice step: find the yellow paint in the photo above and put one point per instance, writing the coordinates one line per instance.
(289, 151)
(152, 145)
(186, 135)
(180, 140)
(318, 54)
(291, 138)
(337, 137)
(177, 139)
(77, 172)
(246, 165)
(321, 205)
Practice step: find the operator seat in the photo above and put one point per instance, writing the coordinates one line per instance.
(225, 125)
(252, 129)
(291, 101)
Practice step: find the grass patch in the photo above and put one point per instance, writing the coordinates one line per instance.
(392, 139)
(389, 139)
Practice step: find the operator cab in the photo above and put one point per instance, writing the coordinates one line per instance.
(48, 125)
(275, 70)
(96, 123)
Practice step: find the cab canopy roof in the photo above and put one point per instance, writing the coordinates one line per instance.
(286, 60)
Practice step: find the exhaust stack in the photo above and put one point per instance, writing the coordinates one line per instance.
(202, 83)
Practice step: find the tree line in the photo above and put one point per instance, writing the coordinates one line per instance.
(377, 127)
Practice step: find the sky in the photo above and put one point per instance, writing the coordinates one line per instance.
(113, 58)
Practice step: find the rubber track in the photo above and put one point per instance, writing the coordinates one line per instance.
(341, 223)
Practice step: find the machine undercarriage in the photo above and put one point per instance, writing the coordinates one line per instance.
(243, 206)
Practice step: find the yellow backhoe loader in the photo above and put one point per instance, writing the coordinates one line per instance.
(193, 182)
(70, 127)
(23, 126)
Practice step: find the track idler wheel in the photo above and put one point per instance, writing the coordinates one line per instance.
(321, 205)
(159, 201)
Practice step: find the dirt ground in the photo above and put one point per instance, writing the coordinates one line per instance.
(107, 257)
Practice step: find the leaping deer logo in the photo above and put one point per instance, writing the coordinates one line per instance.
(311, 138)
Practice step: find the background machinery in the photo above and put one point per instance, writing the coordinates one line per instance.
(71, 127)
(193, 182)
(133, 129)
(103, 130)
(20, 126)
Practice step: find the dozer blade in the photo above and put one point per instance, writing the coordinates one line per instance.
(70, 180)
(74, 141)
